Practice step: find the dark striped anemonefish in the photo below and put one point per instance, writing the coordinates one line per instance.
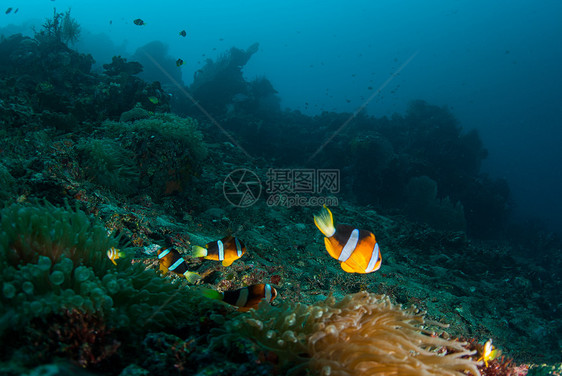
(245, 298)
(171, 260)
(227, 250)
(357, 250)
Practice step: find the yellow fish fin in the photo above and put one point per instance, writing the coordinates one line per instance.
(325, 222)
(198, 251)
(227, 262)
(347, 268)
(192, 277)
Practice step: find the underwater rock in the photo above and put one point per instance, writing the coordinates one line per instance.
(120, 66)
(217, 82)
(59, 120)
(214, 214)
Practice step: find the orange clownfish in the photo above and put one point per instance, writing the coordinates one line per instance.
(113, 254)
(171, 260)
(227, 250)
(488, 353)
(357, 250)
(245, 298)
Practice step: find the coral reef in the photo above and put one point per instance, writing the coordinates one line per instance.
(122, 90)
(57, 83)
(73, 334)
(6, 182)
(545, 370)
(362, 334)
(413, 179)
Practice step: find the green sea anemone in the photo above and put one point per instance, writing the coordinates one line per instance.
(109, 164)
(53, 259)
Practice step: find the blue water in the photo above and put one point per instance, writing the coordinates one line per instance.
(496, 64)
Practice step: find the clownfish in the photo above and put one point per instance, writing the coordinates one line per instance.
(245, 298)
(357, 250)
(488, 353)
(227, 250)
(171, 260)
(113, 254)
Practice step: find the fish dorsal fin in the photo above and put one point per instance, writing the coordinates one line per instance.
(325, 222)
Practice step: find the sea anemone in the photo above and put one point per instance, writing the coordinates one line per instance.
(46, 234)
(362, 334)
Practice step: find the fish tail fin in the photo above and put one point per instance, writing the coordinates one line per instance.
(198, 251)
(211, 294)
(325, 222)
(192, 277)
